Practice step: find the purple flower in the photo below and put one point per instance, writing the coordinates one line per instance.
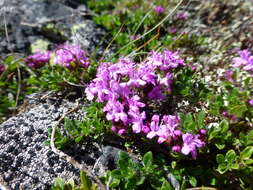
(167, 60)
(154, 126)
(245, 61)
(249, 66)
(156, 94)
(117, 128)
(122, 131)
(114, 129)
(124, 67)
(137, 122)
(134, 37)
(190, 144)
(145, 129)
(203, 131)
(250, 102)
(182, 16)
(172, 30)
(176, 148)
(242, 60)
(159, 9)
(147, 74)
(167, 81)
(71, 56)
(171, 60)
(155, 59)
(168, 129)
(165, 131)
(38, 59)
(2, 68)
(136, 117)
(228, 75)
(115, 112)
(229, 116)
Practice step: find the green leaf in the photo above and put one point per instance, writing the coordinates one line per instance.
(183, 185)
(59, 183)
(141, 180)
(116, 174)
(213, 182)
(130, 184)
(148, 159)
(249, 161)
(71, 184)
(166, 186)
(224, 126)
(246, 153)
(220, 158)
(78, 139)
(193, 181)
(230, 156)
(85, 181)
(220, 146)
(123, 161)
(213, 133)
(249, 138)
(222, 168)
(235, 166)
(173, 164)
(115, 183)
(200, 119)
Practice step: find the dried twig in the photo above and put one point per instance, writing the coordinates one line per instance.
(146, 43)
(6, 30)
(109, 45)
(152, 29)
(69, 158)
(19, 86)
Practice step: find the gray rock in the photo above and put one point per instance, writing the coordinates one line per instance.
(26, 162)
(107, 161)
(55, 22)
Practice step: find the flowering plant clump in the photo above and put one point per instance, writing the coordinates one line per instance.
(245, 61)
(37, 60)
(237, 92)
(69, 56)
(126, 85)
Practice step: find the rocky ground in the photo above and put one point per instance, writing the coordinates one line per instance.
(26, 162)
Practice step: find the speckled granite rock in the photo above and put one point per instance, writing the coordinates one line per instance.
(25, 161)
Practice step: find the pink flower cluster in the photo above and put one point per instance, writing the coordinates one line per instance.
(245, 61)
(126, 85)
(69, 56)
(37, 60)
(159, 9)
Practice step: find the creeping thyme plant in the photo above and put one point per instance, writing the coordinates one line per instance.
(150, 94)
(128, 90)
